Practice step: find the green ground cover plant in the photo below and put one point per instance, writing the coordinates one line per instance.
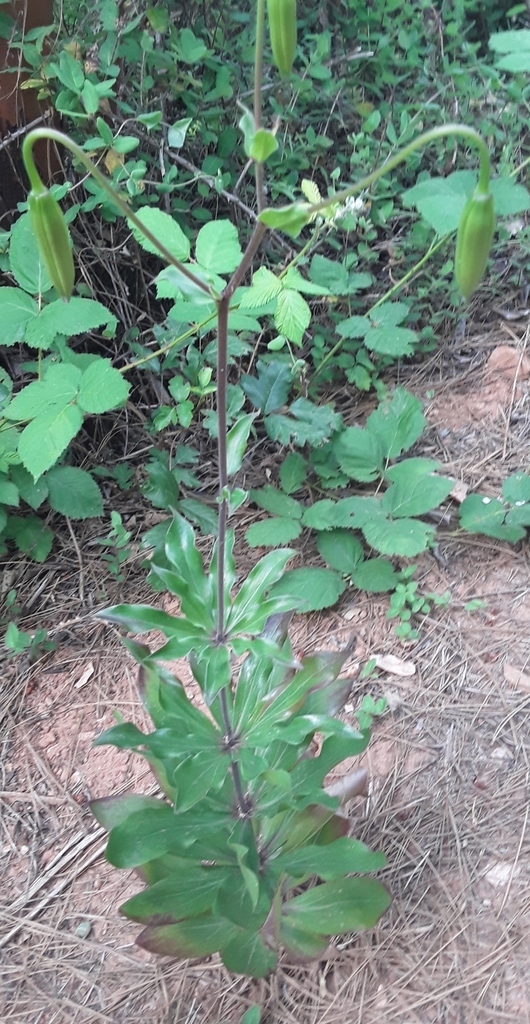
(246, 818)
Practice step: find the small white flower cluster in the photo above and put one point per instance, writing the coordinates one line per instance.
(353, 204)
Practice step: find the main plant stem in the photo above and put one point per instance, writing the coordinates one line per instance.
(258, 75)
(223, 308)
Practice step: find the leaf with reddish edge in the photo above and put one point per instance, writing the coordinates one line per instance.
(300, 945)
(196, 936)
(112, 810)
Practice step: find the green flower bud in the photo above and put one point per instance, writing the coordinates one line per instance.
(473, 241)
(282, 25)
(51, 231)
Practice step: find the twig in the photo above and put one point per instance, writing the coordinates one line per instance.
(12, 136)
(80, 560)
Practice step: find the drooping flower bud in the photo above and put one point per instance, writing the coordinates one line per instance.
(282, 25)
(473, 241)
(51, 231)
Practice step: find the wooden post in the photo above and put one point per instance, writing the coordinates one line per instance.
(19, 107)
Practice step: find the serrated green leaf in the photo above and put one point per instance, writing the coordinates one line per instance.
(25, 260)
(309, 589)
(305, 424)
(353, 327)
(74, 493)
(34, 493)
(17, 308)
(193, 304)
(270, 390)
(31, 536)
(516, 488)
(341, 550)
(217, 247)
(518, 516)
(272, 533)
(293, 472)
(321, 515)
(293, 279)
(102, 387)
(441, 200)
(391, 341)
(166, 229)
(360, 453)
(414, 488)
(398, 536)
(398, 422)
(265, 286)
(375, 575)
(330, 274)
(292, 316)
(277, 502)
(45, 439)
(58, 389)
(485, 515)
(509, 196)
(389, 314)
(9, 493)
(68, 318)
(348, 904)
(311, 191)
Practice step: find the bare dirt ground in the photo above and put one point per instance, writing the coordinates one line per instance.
(448, 764)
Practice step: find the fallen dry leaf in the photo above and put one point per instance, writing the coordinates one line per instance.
(394, 665)
(459, 491)
(83, 679)
(509, 362)
(517, 678)
(501, 873)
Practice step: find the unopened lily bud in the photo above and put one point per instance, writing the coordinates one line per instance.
(51, 231)
(473, 241)
(282, 25)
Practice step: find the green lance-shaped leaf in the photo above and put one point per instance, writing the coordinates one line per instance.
(282, 25)
(473, 241)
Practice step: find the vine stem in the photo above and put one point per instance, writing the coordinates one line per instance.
(440, 132)
(384, 298)
(38, 187)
